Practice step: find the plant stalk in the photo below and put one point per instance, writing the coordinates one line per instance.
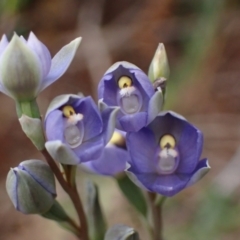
(73, 194)
(156, 210)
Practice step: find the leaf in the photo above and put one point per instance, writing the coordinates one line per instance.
(133, 194)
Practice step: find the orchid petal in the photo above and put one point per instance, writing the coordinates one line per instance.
(90, 150)
(155, 106)
(3, 44)
(42, 53)
(61, 62)
(109, 116)
(201, 170)
(61, 153)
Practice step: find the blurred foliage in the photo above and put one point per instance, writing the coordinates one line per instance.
(12, 6)
(197, 41)
(215, 217)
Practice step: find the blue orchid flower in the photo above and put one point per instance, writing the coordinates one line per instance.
(76, 130)
(165, 155)
(128, 87)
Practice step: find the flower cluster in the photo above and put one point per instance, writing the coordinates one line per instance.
(128, 131)
(162, 149)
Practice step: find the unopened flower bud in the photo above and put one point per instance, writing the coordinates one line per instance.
(159, 67)
(26, 66)
(20, 70)
(31, 187)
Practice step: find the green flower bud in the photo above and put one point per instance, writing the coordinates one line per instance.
(26, 67)
(31, 187)
(20, 70)
(159, 67)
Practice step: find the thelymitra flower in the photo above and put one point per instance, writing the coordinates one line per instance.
(127, 86)
(165, 155)
(76, 130)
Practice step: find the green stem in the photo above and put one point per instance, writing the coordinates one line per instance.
(29, 108)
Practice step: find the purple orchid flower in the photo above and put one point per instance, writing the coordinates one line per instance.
(127, 86)
(113, 159)
(165, 155)
(76, 130)
(26, 67)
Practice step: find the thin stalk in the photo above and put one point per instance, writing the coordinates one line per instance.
(73, 194)
(156, 210)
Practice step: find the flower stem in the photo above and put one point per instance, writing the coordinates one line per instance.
(156, 210)
(73, 194)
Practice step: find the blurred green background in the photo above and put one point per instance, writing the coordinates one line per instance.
(202, 42)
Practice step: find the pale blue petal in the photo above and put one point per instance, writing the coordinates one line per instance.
(42, 53)
(61, 153)
(201, 170)
(3, 44)
(61, 62)
(155, 106)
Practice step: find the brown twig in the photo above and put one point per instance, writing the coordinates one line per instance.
(157, 217)
(73, 194)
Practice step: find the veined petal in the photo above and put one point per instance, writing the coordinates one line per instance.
(90, 150)
(102, 105)
(61, 153)
(190, 148)
(134, 178)
(3, 44)
(32, 197)
(109, 116)
(141, 147)
(125, 64)
(166, 185)
(20, 71)
(42, 53)
(112, 161)
(61, 62)
(11, 186)
(40, 171)
(61, 100)
(201, 170)
(155, 106)
(54, 126)
(91, 118)
(133, 122)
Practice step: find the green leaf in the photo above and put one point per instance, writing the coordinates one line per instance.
(58, 214)
(96, 221)
(133, 194)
